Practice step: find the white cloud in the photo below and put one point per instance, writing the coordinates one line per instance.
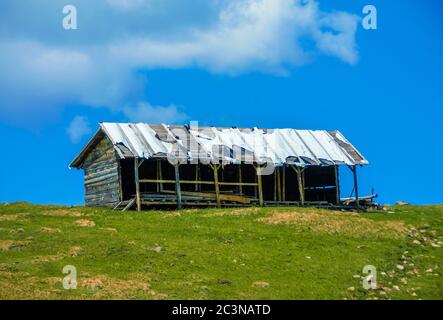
(78, 129)
(239, 36)
(147, 113)
(251, 35)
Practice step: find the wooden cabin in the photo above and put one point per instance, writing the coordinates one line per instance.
(141, 166)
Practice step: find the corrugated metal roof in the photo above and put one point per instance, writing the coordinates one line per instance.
(229, 145)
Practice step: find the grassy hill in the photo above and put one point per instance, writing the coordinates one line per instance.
(254, 253)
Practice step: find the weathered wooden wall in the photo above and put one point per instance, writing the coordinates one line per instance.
(101, 168)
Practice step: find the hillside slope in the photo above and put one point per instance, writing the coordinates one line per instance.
(284, 253)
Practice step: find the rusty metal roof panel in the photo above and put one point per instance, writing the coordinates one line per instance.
(232, 145)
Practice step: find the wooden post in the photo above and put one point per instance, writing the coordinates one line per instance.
(303, 183)
(137, 185)
(301, 187)
(177, 186)
(337, 184)
(260, 188)
(275, 183)
(354, 171)
(255, 188)
(217, 188)
(120, 180)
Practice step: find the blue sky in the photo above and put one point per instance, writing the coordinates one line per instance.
(266, 63)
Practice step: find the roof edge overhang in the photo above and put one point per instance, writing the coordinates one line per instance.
(79, 159)
(102, 132)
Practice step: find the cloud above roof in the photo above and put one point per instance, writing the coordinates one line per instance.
(97, 64)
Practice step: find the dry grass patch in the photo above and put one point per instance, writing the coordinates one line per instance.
(234, 212)
(48, 258)
(109, 229)
(50, 230)
(107, 287)
(6, 245)
(260, 284)
(339, 223)
(72, 252)
(63, 213)
(8, 217)
(85, 223)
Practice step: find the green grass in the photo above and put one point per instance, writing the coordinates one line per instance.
(285, 253)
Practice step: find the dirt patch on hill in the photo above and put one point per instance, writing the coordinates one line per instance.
(105, 287)
(109, 229)
(234, 212)
(72, 252)
(8, 217)
(50, 230)
(6, 245)
(63, 213)
(85, 223)
(350, 224)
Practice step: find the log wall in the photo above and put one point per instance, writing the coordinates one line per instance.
(101, 169)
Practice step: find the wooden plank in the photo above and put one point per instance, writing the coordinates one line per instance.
(101, 167)
(275, 184)
(102, 183)
(120, 180)
(354, 171)
(260, 188)
(137, 184)
(105, 185)
(102, 197)
(177, 186)
(278, 184)
(197, 182)
(301, 187)
(102, 178)
(337, 184)
(130, 204)
(217, 188)
(104, 172)
(223, 197)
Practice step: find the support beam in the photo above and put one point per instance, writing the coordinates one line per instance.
(354, 172)
(120, 180)
(221, 183)
(275, 184)
(337, 184)
(279, 183)
(256, 187)
(177, 186)
(260, 187)
(217, 187)
(301, 184)
(137, 184)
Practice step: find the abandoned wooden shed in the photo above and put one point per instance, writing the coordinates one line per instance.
(139, 165)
